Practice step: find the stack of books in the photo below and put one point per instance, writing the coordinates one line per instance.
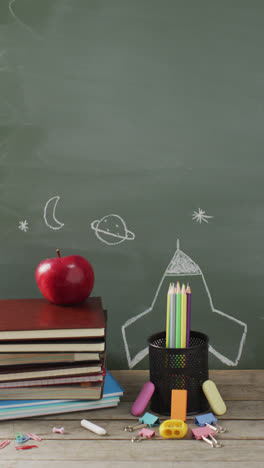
(52, 352)
(14, 409)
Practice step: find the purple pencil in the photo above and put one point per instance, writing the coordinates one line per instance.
(188, 320)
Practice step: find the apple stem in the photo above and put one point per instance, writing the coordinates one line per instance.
(58, 252)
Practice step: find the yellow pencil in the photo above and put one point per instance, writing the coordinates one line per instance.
(183, 317)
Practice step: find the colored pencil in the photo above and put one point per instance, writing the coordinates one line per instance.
(172, 317)
(188, 325)
(183, 316)
(168, 319)
(178, 316)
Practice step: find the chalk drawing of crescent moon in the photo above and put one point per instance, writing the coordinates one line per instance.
(11, 6)
(49, 214)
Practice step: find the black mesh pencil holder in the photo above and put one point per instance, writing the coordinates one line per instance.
(178, 368)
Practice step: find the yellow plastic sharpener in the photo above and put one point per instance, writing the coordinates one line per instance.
(173, 429)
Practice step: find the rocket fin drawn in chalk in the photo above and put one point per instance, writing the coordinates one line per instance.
(182, 265)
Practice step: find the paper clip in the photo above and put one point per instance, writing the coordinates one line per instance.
(4, 444)
(148, 420)
(203, 433)
(210, 442)
(218, 429)
(144, 434)
(33, 436)
(208, 420)
(135, 427)
(202, 419)
(21, 440)
(26, 447)
(216, 443)
(213, 442)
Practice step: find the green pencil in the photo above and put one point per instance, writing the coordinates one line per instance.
(178, 316)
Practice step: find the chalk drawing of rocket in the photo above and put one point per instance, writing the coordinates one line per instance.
(182, 265)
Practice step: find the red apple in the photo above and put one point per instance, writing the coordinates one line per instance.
(65, 280)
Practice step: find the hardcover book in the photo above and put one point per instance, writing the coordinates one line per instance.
(32, 372)
(38, 346)
(16, 359)
(38, 319)
(14, 409)
(76, 391)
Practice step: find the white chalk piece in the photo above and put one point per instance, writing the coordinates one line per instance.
(93, 427)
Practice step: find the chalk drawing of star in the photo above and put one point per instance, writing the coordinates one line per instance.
(200, 216)
(23, 225)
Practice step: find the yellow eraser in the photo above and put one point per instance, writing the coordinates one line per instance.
(214, 398)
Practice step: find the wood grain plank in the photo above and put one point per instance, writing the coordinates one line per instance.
(232, 384)
(242, 377)
(245, 429)
(228, 392)
(125, 464)
(243, 443)
(235, 410)
(112, 450)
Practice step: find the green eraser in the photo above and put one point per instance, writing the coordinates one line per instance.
(214, 398)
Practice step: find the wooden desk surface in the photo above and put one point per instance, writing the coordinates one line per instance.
(243, 392)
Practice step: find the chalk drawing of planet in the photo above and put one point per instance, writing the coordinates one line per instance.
(112, 230)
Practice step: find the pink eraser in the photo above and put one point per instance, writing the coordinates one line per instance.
(143, 398)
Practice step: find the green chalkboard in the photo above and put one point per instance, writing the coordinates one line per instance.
(131, 132)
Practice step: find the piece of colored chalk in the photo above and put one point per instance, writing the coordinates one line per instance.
(178, 404)
(143, 398)
(214, 398)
